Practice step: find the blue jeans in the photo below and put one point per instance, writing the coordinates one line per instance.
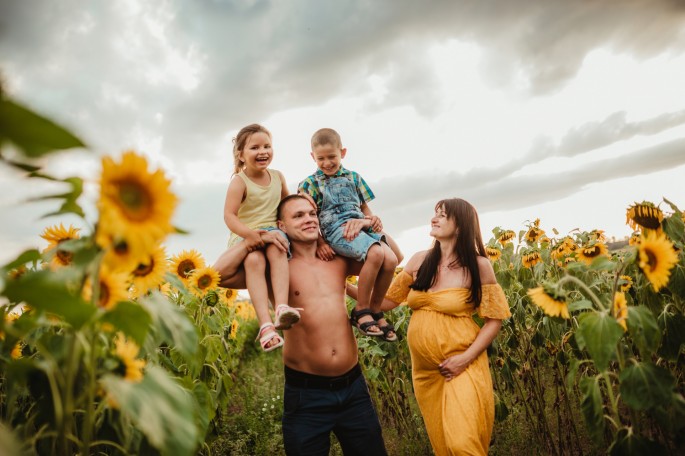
(310, 414)
(340, 204)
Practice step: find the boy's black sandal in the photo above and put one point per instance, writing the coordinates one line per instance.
(387, 328)
(363, 327)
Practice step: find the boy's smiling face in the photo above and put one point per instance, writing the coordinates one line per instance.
(328, 158)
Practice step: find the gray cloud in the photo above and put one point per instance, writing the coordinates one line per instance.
(497, 192)
(97, 64)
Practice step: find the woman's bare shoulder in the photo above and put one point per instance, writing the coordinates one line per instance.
(415, 262)
(487, 274)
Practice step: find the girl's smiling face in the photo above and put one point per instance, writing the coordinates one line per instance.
(257, 153)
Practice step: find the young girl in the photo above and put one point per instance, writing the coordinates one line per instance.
(250, 210)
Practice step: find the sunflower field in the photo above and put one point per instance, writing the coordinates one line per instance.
(109, 344)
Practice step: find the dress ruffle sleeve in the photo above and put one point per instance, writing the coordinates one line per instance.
(493, 303)
(399, 288)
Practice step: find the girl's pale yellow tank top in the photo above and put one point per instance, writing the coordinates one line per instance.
(258, 210)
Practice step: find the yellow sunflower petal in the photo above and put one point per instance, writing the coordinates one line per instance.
(656, 258)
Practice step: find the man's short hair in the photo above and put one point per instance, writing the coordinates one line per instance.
(284, 201)
(326, 136)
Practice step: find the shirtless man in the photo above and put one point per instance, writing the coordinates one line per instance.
(325, 390)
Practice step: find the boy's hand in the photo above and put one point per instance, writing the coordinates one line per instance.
(272, 237)
(324, 251)
(376, 224)
(253, 241)
(353, 227)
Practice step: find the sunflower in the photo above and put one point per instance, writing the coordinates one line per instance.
(625, 282)
(656, 258)
(244, 311)
(131, 367)
(530, 259)
(134, 200)
(493, 253)
(568, 260)
(559, 251)
(17, 350)
(588, 253)
(506, 237)
(620, 309)
(598, 235)
(234, 329)
(534, 233)
(644, 215)
(185, 263)
(55, 235)
(9, 318)
(113, 288)
(544, 239)
(228, 295)
(150, 273)
(123, 250)
(550, 300)
(635, 238)
(203, 280)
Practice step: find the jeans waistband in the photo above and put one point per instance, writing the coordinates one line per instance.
(304, 380)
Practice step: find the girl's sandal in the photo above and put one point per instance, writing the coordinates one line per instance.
(387, 328)
(286, 316)
(363, 328)
(269, 336)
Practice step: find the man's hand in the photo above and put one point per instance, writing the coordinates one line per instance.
(272, 237)
(253, 241)
(376, 224)
(324, 251)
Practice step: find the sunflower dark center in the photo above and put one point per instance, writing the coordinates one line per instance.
(64, 256)
(184, 268)
(104, 294)
(144, 269)
(135, 200)
(204, 281)
(651, 260)
(121, 248)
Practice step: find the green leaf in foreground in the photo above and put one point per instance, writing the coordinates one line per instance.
(591, 405)
(629, 444)
(160, 408)
(173, 325)
(33, 134)
(131, 319)
(48, 291)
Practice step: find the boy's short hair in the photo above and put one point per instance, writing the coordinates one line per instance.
(326, 136)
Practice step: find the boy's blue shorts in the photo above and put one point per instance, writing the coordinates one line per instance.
(357, 247)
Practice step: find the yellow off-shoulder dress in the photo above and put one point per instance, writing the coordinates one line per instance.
(459, 414)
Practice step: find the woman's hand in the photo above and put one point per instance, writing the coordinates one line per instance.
(453, 366)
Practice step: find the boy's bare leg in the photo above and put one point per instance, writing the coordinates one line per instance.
(367, 278)
(383, 281)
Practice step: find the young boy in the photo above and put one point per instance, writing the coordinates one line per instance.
(350, 229)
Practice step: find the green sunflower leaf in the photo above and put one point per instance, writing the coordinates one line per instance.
(33, 134)
(599, 333)
(645, 385)
(673, 331)
(172, 325)
(69, 206)
(163, 410)
(27, 256)
(629, 444)
(675, 228)
(48, 291)
(131, 319)
(591, 405)
(644, 330)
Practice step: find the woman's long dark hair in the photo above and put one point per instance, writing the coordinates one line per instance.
(467, 249)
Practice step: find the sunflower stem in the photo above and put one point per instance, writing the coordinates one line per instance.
(593, 297)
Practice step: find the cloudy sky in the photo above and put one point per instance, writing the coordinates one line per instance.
(566, 111)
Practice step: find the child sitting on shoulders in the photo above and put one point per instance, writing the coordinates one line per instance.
(350, 229)
(250, 209)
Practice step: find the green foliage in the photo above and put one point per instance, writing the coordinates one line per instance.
(598, 332)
